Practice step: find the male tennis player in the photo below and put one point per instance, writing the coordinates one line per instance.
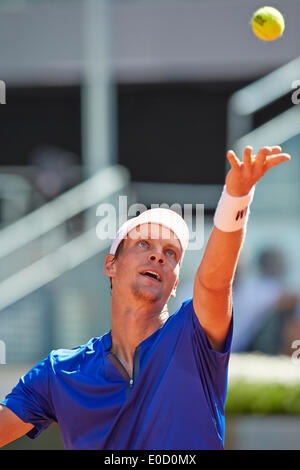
(154, 381)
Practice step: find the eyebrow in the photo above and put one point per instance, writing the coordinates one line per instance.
(174, 247)
(169, 245)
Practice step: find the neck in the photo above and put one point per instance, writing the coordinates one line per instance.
(130, 326)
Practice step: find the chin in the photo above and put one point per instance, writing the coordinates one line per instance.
(146, 294)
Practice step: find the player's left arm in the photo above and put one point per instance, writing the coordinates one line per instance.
(212, 296)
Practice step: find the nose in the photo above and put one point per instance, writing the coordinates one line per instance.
(157, 258)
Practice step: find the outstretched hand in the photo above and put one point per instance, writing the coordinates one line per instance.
(243, 175)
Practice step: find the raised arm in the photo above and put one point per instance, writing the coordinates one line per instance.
(212, 297)
(11, 427)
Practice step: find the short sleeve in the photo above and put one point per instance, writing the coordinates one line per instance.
(202, 337)
(31, 400)
(213, 364)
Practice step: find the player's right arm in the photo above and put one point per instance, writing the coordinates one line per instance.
(212, 295)
(11, 427)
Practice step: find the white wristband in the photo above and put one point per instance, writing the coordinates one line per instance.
(232, 212)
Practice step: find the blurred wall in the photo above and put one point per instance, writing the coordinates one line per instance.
(165, 40)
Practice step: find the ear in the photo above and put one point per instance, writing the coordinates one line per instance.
(173, 293)
(109, 266)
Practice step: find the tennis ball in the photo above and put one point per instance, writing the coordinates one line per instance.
(268, 23)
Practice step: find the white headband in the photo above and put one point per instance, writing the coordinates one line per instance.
(166, 217)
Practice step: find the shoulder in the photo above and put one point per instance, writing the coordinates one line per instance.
(187, 316)
(75, 358)
(182, 316)
(184, 311)
(194, 330)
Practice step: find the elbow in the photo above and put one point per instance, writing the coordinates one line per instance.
(215, 283)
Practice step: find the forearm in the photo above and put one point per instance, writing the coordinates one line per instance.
(219, 262)
(212, 296)
(218, 265)
(11, 427)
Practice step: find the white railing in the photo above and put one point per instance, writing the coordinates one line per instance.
(50, 267)
(278, 130)
(259, 94)
(62, 208)
(53, 264)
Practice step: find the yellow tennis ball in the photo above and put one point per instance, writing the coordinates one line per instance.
(268, 23)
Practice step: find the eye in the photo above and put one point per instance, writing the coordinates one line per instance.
(142, 243)
(170, 252)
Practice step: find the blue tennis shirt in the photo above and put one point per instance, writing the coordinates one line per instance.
(175, 401)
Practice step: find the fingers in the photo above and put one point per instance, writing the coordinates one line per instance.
(233, 159)
(262, 157)
(268, 150)
(266, 158)
(276, 149)
(247, 157)
(274, 160)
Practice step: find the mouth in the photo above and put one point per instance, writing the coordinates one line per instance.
(152, 275)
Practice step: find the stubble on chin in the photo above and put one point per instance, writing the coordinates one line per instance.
(144, 294)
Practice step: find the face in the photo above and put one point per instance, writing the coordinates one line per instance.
(148, 265)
